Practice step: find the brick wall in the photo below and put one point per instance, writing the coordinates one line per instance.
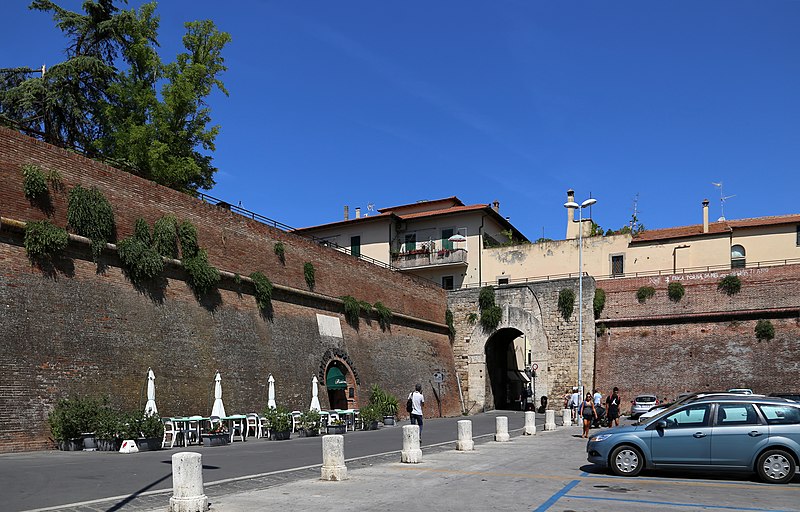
(80, 331)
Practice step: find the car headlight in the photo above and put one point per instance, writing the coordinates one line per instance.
(600, 437)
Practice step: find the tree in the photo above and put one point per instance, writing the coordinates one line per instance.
(149, 117)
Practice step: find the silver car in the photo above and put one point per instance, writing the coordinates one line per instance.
(716, 433)
(641, 404)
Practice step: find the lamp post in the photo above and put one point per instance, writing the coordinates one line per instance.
(580, 207)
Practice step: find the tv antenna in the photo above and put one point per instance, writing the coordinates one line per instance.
(722, 199)
(635, 217)
(371, 207)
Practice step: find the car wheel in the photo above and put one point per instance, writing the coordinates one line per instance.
(776, 467)
(626, 461)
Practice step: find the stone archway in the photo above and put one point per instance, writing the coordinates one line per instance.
(342, 390)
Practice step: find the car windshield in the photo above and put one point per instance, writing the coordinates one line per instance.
(662, 412)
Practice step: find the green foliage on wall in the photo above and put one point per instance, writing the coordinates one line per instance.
(309, 274)
(352, 310)
(141, 261)
(203, 277)
(730, 285)
(449, 320)
(90, 214)
(280, 251)
(187, 235)
(384, 316)
(599, 302)
(165, 236)
(675, 291)
(765, 331)
(491, 317)
(34, 182)
(566, 302)
(472, 318)
(263, 287)
(486, 298)
(44, 240)
(644, 293)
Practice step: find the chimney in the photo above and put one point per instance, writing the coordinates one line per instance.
(705, 215)
(346, 212)
(358, 212)
(496, 206)
(572, 231)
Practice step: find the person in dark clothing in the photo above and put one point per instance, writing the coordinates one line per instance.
(612, 407)
(588, 413)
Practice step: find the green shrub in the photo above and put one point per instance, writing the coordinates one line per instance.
(566, 302)
(203, 277)
(165, 236)
(384, 316)
(449, 319)
(486, 298)
(140, 260)
(383, 401)
(369, 414)
(491, 317)
(72, 417)
(44, 240)
(472, 318)
(279, 419)
(765, 331)
(730, 285)
(644, 293)
(263, 290)
(675, 291)
(55, 180)
(90, 214)
(138, 425)
(352, 310)
(310, 420)
(308, 273)
(280, 251)
(365, 307)
(34, 182)
(599, 302)
(187, 235)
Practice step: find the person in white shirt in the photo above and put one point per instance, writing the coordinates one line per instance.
(417, 401)
(574, 401)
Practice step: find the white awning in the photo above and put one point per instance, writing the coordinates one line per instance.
(518, 375)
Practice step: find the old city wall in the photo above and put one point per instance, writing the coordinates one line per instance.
(705, 341)
(531, 309)
(84, 330)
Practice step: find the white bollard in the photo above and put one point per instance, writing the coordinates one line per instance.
(187, 483)
(465, 442)
(566, 414)
(549, 419)
(530, 424)
(501, 429)
(333, 467)
(411, 454)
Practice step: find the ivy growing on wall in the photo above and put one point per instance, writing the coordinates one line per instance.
(765, 331)
(309, 274)
(566, 302)
(165, 236)
(44, 240)
(384, 316)
(280, 252)
(599, 302)
(472, 318)
(203, 277)
(34, 182)
(730, 285)
(449, 320)
(187, 235)
(644, 293)
(263, 290)
(352, 310)
(141, 261)
(675, 291)
(491, 314)
(90, 214)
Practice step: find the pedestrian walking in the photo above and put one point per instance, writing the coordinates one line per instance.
(417, 401)
(588, 413)
(574, 402)
(612, 407)
(598, 397)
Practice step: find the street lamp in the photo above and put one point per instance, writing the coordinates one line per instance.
(580, 207)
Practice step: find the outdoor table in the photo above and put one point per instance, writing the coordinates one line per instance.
(184, 423)
(236, 421)
(349, 417)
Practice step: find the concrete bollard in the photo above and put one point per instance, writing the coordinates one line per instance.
(549, 419)
(501, 429)
(465, 442)
(411, 454)
(566, 414)
(530, 424)
(333, 467)
(187, 483)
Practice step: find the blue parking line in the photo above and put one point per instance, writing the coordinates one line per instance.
(557, 496)
(673, 504)
(668, 479)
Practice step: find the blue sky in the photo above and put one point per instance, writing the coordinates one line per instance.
(337, 103)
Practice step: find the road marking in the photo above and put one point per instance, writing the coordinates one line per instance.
(557, 496)
(704, 506)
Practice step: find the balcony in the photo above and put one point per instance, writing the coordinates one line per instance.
(422, 258)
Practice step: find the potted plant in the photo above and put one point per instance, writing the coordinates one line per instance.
(309, 423)
(146, 430)
(279, 421)
(337, 426)
(217, 435)
(370, 416)
(385, 403)
(107, 428)
(64, 425)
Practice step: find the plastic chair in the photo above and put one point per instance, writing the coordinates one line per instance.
(193, 430)
(263, 427)
(238, 429)
(296, 420)
(323, 419)
(170, 433)
(253, 425)
(357, 423)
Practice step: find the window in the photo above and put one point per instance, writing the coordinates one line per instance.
(692, 416)
(502, 280)
(781, 414)
(446, 243)
(618, 265)
(447, 282)
(411, 242)
(737, 414)
(355, 246)
(737, 257)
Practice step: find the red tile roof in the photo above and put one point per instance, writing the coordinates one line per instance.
(714, 228)
(453, 200)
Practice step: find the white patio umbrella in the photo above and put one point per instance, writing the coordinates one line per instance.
(314, 395)
(458, 238)
(150, 408)
(271, 393)
(219, 407)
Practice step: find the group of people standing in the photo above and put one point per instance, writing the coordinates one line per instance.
(590, 409)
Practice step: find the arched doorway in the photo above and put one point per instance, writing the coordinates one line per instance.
(507, 382)
(336, 384)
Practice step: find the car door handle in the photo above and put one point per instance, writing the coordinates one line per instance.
(754, 433)
(699, 434)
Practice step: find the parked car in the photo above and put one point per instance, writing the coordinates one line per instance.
(682, 398)
(716, 432)
(789, 396)
(741, 391)
(655, 410)
(641, 404)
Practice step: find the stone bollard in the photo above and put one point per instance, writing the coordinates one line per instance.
(411, 454)
(566, 414)
(465, 442)
(187, 483)
(333, 467)
(549, 419)
(530, 424)
(501, 429)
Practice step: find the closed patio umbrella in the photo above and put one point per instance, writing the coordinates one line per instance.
(219, 407)
(314, 395)
(150, 408)
(271, 393)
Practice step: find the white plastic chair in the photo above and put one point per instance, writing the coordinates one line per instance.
(170, 433)
(238, 429)
(296, 420)
(253, 425)
(263, 427)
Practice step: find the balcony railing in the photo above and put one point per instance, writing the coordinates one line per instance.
(422, 258)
